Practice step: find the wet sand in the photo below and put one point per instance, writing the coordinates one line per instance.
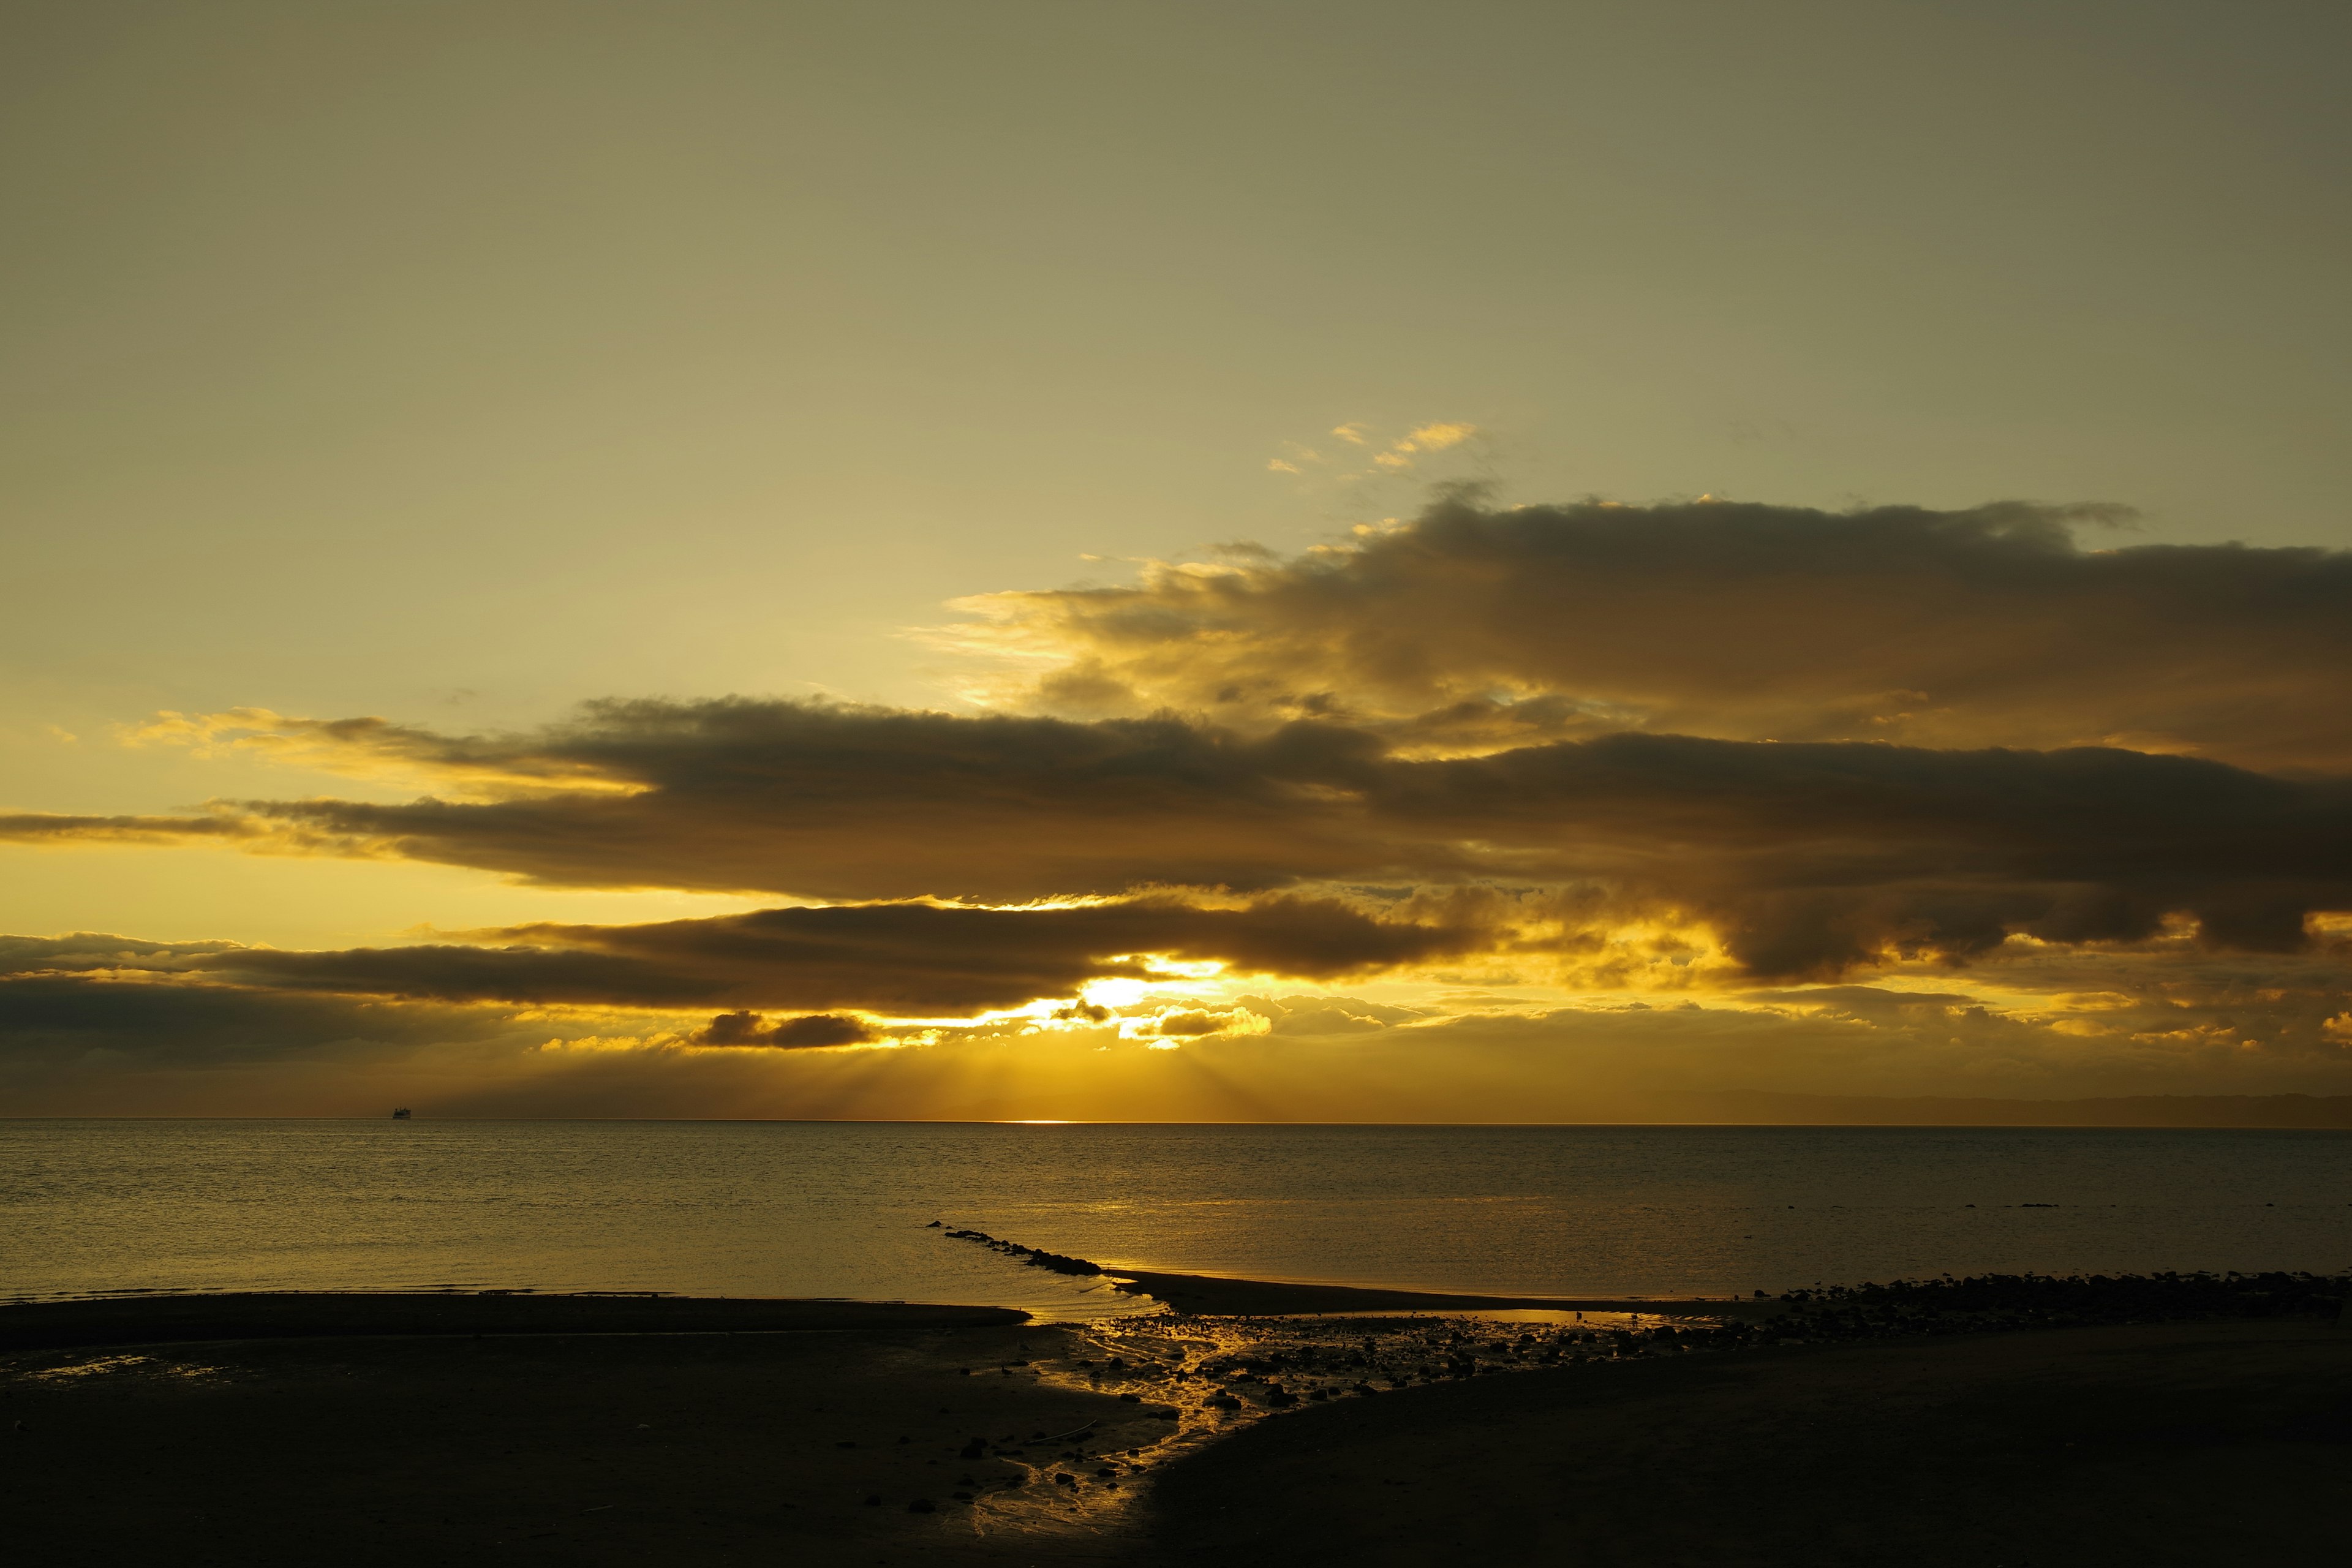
(2163, 1443)
(596, 1430)
(1162, 1442)
(564, 1447)
(290, 1314)
(1211, 1294)
(1222, 1296)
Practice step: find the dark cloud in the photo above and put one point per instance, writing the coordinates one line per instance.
(1700, 746)
(858, 803)
(918, 959)
(1190, 1023)
(928, 958)
(1471, 629)
(56, 827)
(66, 1018)
(813, 1029)
(451, 973)
(1805, 858)
(149, 1032)
(1485, 694)
(90, 998)
(87, 951)
(1809, 858)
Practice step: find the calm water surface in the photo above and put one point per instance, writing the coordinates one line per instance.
(839, 1209)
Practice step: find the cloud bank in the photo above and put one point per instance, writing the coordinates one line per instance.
(1472, 628)
(1806, 858)
(1506, 764)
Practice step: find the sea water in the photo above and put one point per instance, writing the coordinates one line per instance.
(844, 1209)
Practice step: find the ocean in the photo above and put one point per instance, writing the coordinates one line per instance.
(842, 1209)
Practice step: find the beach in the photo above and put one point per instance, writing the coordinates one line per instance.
(700, 1447)
(2205, 1443)
(583, 1430)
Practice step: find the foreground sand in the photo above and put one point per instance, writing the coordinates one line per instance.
(2188, 1443)
(2169, 1443)
(300, 1314)
(1216, 1294)
(562, 1447)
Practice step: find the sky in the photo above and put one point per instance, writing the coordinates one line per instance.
(1510, 563)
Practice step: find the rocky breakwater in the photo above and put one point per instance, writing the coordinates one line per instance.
(1035, 1256)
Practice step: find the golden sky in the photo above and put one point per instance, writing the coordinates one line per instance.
(1064, 560)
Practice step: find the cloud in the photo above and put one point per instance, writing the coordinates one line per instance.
(915, 957)
(1986, 626)
(1172, 1025)
(63, 1019)
(1810, 858)
(86, 952)
(825, 801)
(1437, 437)
(813, 1030)
(1621, 801)
(57, 827)
(1437, 749)
(1802, 859)
(897, 959)
(370, 748)
(1328, 1015)
(110, 1022)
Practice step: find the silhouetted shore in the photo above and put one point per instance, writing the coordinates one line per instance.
(1219, 1295)
(2215, 1442)
(307, 1314)
(2171, 1418)
(864, 1435)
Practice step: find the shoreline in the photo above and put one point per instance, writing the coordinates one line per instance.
(164, 1317)
(2181, 1442)
(1217, 1295)
(614, 1430)
(319, 1314)
(1214, 1295)
(1931, 1306)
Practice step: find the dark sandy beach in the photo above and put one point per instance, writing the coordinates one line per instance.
(550, 1440)
(1216, 1294)
(564, 1447)
(158, 1318)
(2191, 1443)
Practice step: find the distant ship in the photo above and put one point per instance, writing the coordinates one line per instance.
(399, 1113)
